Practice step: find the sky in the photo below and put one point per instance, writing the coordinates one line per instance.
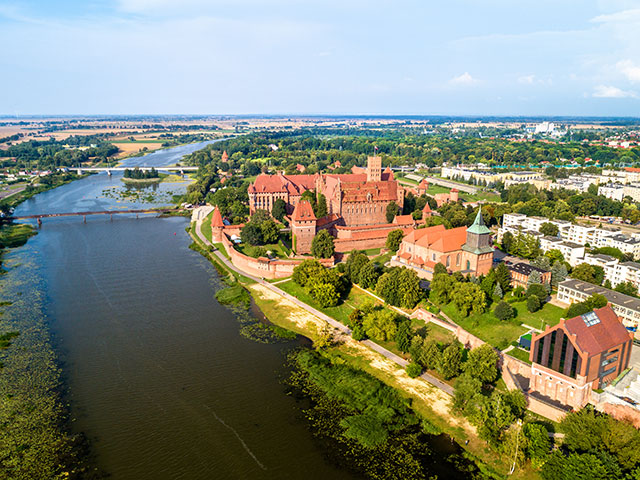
(413, 57)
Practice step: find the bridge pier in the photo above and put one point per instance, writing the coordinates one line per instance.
(111, 217)
(84, 219)
(39, 222)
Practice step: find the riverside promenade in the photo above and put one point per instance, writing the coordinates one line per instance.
(334, 323)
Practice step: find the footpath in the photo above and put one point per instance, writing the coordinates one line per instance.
(334, 323)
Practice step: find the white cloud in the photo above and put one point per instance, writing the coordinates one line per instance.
(464, 79)
(629, 70)
(527, 79)
(608, 91)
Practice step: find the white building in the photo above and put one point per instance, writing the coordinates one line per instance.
(571, 239)
(626, 307)
(613, 191)
(615, 271)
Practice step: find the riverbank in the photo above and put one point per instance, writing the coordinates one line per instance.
(429, 402)
(53, 181)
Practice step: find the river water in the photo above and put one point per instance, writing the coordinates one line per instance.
(159, 378)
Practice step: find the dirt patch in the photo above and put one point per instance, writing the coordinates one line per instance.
(130, 148)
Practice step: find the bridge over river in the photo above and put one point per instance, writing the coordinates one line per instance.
(109, 170)
(111, 213)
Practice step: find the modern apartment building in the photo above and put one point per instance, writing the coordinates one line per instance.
(574, 236)
(626, 307)
(615, 271)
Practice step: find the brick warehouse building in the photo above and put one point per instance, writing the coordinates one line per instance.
(577, 355)
(520, 273)
(357, 198)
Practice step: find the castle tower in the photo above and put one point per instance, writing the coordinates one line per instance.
(217, 226)
(225, 157)
(374, 169)
(453, 195)
(303, 227)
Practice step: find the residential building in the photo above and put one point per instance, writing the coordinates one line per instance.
(578, 355)
(575, 237)
(615, 271)
(626, 307)
(520, 273)
(613, 191)
(462, 249)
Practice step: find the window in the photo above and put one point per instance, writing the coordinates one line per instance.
(458, 259)
(468, 265)
(448, 261)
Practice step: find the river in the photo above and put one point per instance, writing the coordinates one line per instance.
(159, 378)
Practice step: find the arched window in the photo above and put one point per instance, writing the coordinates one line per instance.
(458, 260)
(468, 265)
(448, 261)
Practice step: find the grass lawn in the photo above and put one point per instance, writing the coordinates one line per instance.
(206, 226)
(340, 312)
(433, 189)
(382, 259)
(486, 327)
(520, 354)
(372, 251)
(547, 315)
(276, 248)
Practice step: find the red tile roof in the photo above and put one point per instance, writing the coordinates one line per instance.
(404, 220)
(294, 184)
(303, 212)
(359, 191)
(216, 219)
(599, 337)
(439, 238)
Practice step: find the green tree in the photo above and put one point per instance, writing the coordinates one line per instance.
(549, 229)
(537, 290)
(392, 211)
(627, 288)
(497, 291)
(393, 240)
(410, 290)
(322, 245)
(537, 445)
(306, 270)
(324, 293)
(508, 242)
(554, 255)
(320, 209)
(270, 231)
(584, 272)
(439, 268)
(451, 362)
(533, 303)
(369, 275)
(503, 276)
(356, 261)
(468, 297)
(534, 278)
(504, 311)
(404, 336)
(467, 390)
(380, 325)
(482, 363)
(542, 262)
(279, 209)
(442, 286)
(591, 303)
(251, 234)
(558, 273)
(431, 355)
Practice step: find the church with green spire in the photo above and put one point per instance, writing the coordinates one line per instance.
(468, 250)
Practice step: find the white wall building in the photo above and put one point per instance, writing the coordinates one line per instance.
(572, 239)
(612, 190)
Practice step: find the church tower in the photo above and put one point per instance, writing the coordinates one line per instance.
(374, 169)
(478, 251)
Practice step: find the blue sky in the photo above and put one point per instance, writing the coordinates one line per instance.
(492, 57)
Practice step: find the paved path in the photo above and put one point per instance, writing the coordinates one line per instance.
(334, 323)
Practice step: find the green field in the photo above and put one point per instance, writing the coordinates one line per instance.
(340, 312)
(520, 354)
(486, 327)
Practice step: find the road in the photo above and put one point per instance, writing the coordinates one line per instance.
(334, 323)
(7, 193)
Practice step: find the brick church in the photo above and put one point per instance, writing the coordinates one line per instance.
(356, 198)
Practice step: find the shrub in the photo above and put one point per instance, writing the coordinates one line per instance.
(414, 370)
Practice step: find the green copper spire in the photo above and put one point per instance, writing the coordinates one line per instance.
(478, 226)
